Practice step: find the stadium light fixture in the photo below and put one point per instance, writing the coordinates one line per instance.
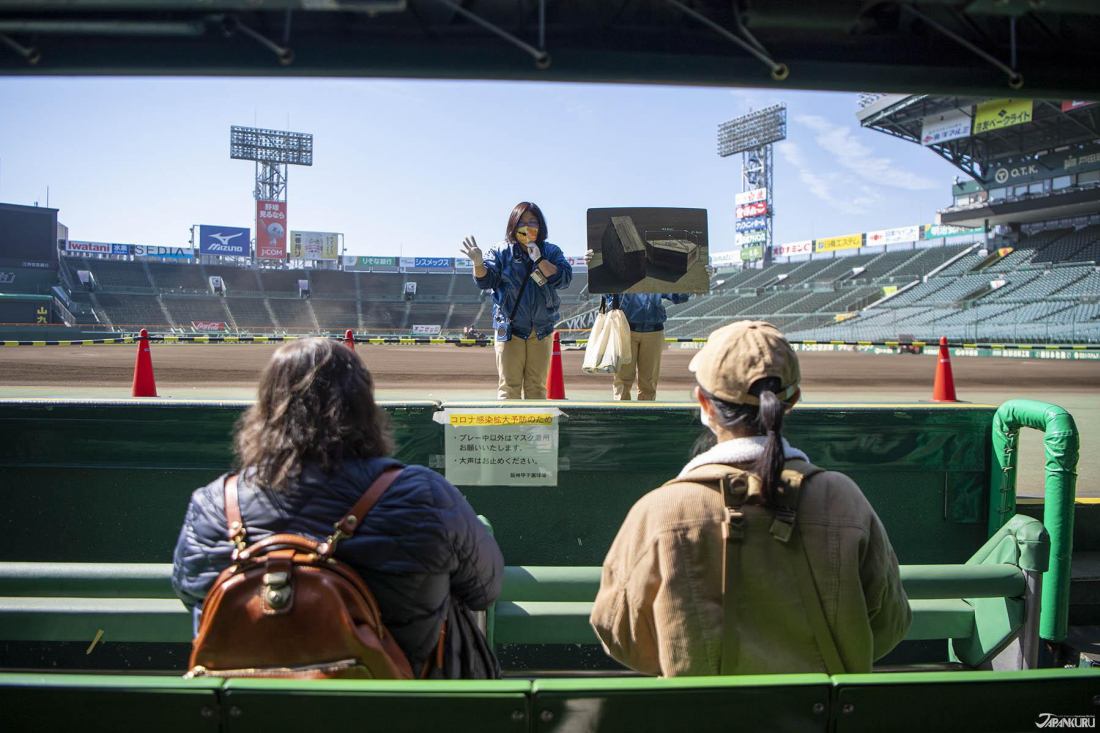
(752, 131)
(278, 147)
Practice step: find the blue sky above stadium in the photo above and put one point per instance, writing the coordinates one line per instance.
(410, 167)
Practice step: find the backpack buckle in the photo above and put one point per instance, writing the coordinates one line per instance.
(783, 524)
(735, 523)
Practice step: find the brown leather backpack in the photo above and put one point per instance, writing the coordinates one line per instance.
(287, 608)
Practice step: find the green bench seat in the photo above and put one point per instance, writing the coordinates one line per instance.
(902, 703)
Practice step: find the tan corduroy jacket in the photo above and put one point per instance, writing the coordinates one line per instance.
(659, 608)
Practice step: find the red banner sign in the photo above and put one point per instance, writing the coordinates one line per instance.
(271, 230)
(755, 209)
(1067, 106)
(209, 326)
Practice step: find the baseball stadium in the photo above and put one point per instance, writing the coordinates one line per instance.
(950, 366)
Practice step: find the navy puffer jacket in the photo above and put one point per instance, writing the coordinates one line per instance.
(421, 543)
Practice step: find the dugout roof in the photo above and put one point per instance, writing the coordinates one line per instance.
(992, 48)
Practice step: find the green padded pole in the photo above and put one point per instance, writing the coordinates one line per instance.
(1062, 446)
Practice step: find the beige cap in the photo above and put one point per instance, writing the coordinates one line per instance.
(737, 355)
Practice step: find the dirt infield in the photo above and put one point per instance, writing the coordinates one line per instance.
(439, 369)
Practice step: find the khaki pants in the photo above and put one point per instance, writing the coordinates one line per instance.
(646, 349)
(522, 365)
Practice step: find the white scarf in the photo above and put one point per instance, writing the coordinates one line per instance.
(738, 451)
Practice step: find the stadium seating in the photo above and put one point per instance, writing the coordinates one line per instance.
(1067, 245)
(237, 280)
(179, 278)
(131, 311)
(282, 282)
(431, 284)
(925, 261)
(185, 310)
(250, 314)
(881, 266)
(293, 314)
(126, 277)
(336, 315)
(333, 284)
(389, 285)
(432, 314)
(383, 316)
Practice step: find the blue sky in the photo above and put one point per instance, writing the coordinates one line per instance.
(410, 167)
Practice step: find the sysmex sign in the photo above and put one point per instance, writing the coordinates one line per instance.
(225, 241)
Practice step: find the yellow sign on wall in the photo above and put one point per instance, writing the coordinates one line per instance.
(831, 244)
(314, 245)
(1001, 113)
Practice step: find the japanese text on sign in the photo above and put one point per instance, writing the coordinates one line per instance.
(502, 449)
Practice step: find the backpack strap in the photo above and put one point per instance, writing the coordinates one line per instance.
(350, 521)
(738, 487)
(234, 525)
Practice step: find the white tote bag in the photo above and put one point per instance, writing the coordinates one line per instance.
(597, 340)
(618, 343)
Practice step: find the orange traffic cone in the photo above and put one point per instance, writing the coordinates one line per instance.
(144, 383)
(349, 340)
(555, 381)
(944, 388)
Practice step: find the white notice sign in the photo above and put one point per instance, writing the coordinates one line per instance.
(490, 448)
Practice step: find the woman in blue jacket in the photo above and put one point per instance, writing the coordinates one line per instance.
(307, 450)
(524, 273)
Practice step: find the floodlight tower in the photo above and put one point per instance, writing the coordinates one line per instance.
(272, 151)
(752, 135)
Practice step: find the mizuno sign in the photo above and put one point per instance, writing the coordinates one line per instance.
(225, 241)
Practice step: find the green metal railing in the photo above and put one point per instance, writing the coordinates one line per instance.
(1062, 447)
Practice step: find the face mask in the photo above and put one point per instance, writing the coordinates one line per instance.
(526, 235)
(704, 417)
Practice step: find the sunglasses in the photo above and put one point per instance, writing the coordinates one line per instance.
(528, 225)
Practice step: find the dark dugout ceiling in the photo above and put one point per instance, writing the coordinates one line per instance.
(1000, 48)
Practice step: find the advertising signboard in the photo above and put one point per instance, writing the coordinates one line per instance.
(1001, 113)
(426, 330)
(369, 261)
(1066, 162)
(893, 236)
(939, 231)
(120, 249)
(225, 241)
(724, 259)
(172, 253)
(271, 230)
(760, 208)
(1067, 106)
(209, 326)
(749, 225)
(406, 262)
(790, 249)
(751, 197)
(433, 262)
(752, 253)
(938, 129)
(757, 237)
(314, 246)
(94, 248)
(831, 244)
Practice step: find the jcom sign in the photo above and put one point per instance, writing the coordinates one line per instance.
(224, 241)
(271, 230)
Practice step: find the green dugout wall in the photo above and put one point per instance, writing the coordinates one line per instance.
(95, 481)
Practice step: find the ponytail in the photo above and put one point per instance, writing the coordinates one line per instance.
(766, 420)
(769, 467)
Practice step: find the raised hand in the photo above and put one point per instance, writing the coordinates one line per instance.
(472, 251)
